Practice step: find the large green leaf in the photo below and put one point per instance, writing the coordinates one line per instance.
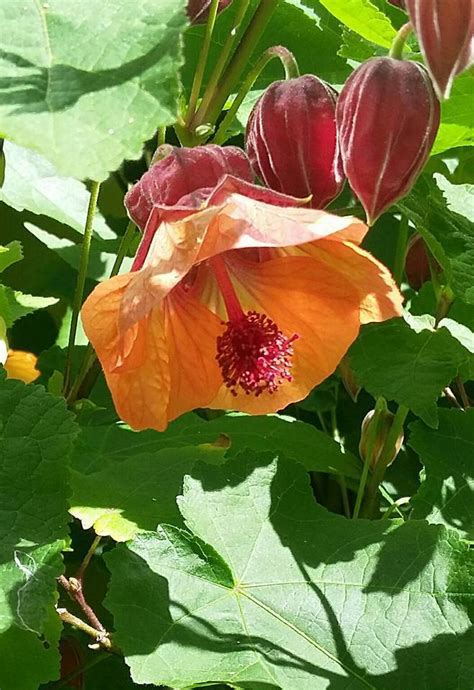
(267, 590)
(10, 254)
(411, 367)
(442, 214)
(363, 17)
(14, 304)
(36, 436)
(32, 183)
(131, 494)
(457, 122)
(446, 495)
(297, 440)
(85, 84)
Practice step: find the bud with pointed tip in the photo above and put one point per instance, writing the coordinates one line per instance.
(418, 265)
(291, 140)
(387, 116)
(177, 172)
(198, 10)
(384, 422)
(445, 31)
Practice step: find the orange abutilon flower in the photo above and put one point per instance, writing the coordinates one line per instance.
(239, 298)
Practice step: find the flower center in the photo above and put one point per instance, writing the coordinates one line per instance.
(253, 353)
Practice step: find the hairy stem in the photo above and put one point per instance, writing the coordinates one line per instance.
(81, 281)
(291, 70)
(396, 50)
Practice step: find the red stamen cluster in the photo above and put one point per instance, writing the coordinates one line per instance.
(254, 355)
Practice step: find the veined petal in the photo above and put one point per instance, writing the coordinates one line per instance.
(380, 298)
(134, 360)
(191, 331)
(303, 296)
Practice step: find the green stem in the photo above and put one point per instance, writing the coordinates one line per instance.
(380, 406)
(201, 63)
(101, 639)
(395, 506)
(445, 299)
(385, 457)
(87, 558)
(161, 136)
(210, 111)
(291, 71)
(219, 67)
(401, 250)
(90, 359)
(81, 281)
(396, 50)
(345, 496)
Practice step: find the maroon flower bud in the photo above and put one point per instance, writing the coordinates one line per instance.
(291, 140)
(181, 171)
(198, 10)
(387, 116)
(445, 31)
(418, 265)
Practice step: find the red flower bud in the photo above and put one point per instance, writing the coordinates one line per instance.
(291, 140)
(417, 263)
(387, 116)
(181, 171)
(445, 31)
(198, 10)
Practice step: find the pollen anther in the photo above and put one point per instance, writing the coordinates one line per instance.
(254, 355)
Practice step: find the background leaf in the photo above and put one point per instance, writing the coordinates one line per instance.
(446, 495)
(36, 439)
(305, 594)
(363, 17)
(88, 104)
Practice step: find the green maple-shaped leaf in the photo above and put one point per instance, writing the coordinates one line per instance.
(265, 589)
(294, 439)
(446, 495)
(85, 84)
(410, 365)
(135, 493)
(36, 436)
(15, 304)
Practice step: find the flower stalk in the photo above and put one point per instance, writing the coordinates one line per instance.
(81, 281)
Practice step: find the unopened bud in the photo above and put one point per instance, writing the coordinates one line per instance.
(348, 379)
(387, 116)
(445, 32)
(384, 423)
(291, 140)
(418, 266)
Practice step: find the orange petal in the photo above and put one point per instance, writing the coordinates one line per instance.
(302, 296)
(135, 361)
(163, 365)
(191, 333)
(22, 366)
(380, 298)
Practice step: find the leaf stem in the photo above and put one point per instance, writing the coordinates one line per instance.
(102, 638)
(201, 63)
(74, 588)
(209, 111)
(81, 281)
(291, 70)
(380, 406)
(87, 558)
(396, 50)
(219, 67)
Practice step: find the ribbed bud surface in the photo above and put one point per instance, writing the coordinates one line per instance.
(445, 31)
(291, 140)
(181, 171)
(387, 117)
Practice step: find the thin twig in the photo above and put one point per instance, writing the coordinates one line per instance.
(101, 638)
(86, 560)
(74, 588)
